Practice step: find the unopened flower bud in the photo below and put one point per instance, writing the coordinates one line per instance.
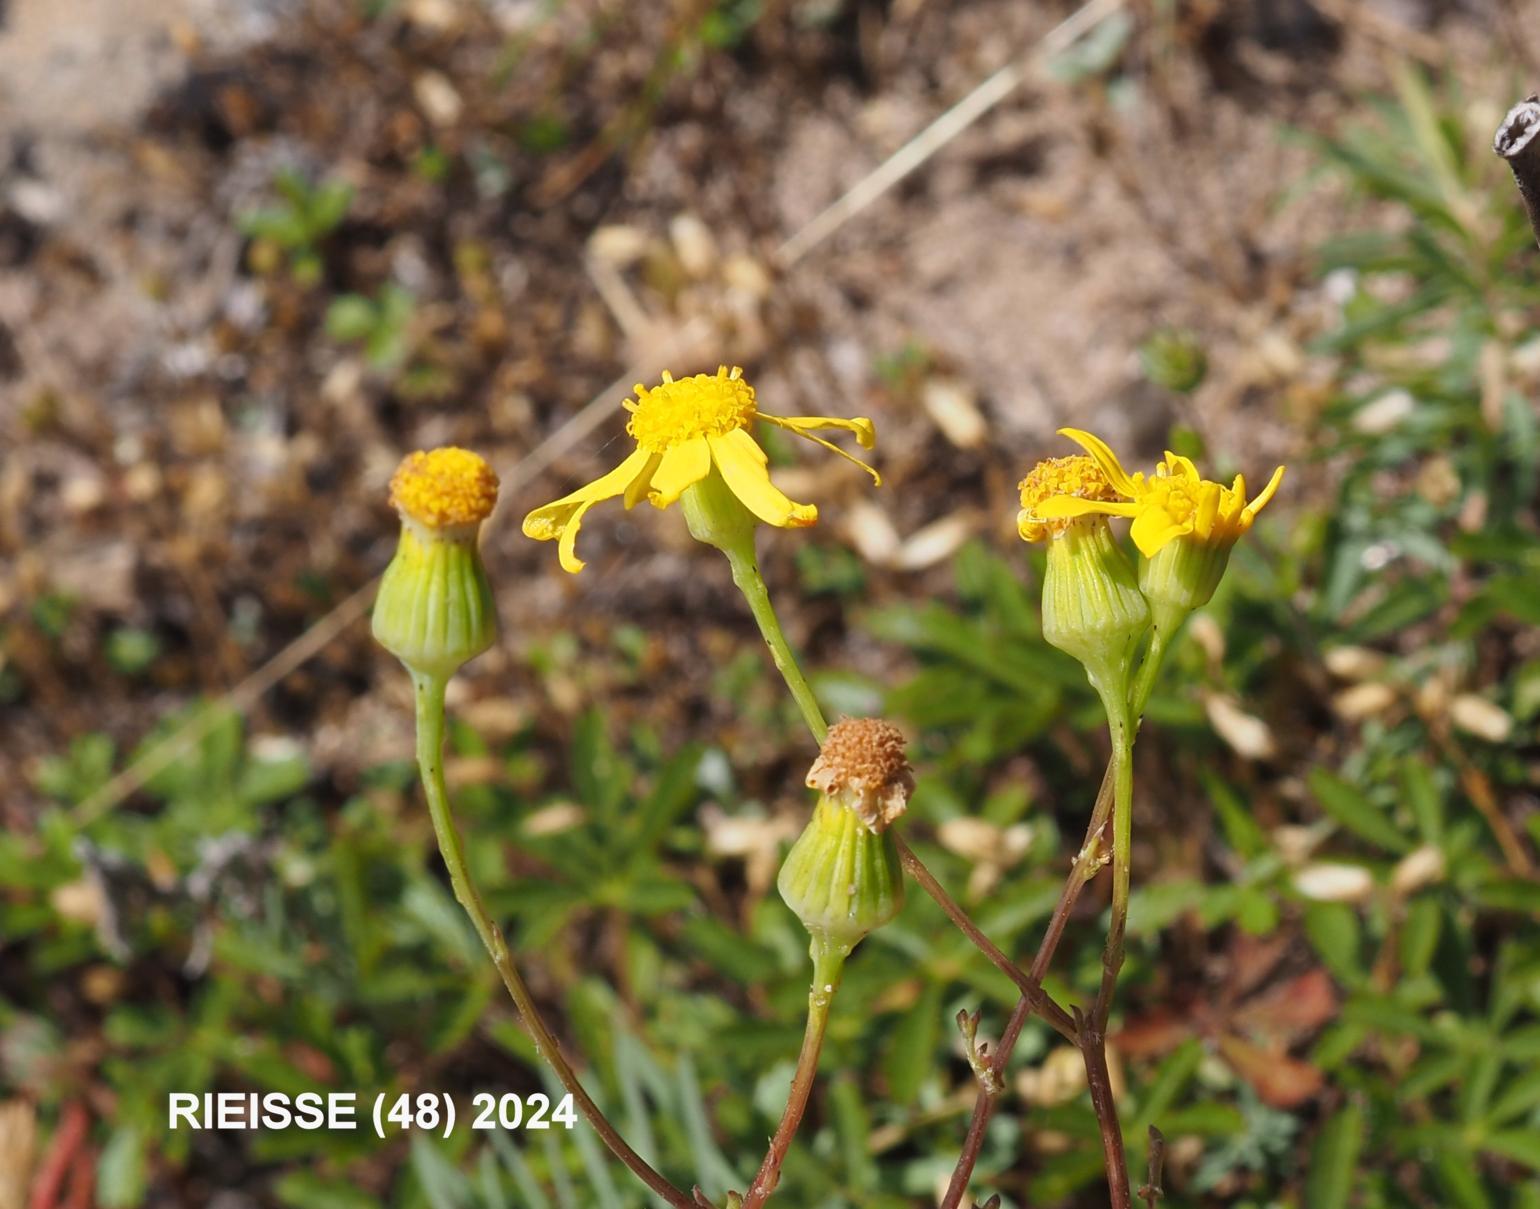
(434, 610)
(842, 877)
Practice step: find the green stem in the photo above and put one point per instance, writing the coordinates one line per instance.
(1122, 853)
(828, 966)
(429, 692)
(1144, 683)
(752, 584)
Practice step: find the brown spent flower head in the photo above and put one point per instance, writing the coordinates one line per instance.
(863, 763)
(444, 487)
(1078, 475)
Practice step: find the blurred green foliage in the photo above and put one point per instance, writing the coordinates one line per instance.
(292, 230)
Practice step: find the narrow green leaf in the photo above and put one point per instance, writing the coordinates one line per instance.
(1354, 810)
(1334, 1159)
(912, 1046)
(1520, 1145)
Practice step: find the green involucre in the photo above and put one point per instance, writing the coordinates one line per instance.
(434, 610)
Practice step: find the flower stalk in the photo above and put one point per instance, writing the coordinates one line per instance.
(435, 612)
(828, 967)
(428, 693)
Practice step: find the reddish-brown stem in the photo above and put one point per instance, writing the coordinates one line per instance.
(1031, 989)
(1093, 1048)
(1087, 862)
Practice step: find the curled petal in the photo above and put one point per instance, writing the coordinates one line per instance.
(562, 518)
(683, 466)
(866, 433)
(1105, 458)
(1265, 494)
(1178, 466)
(743, 469)
(637, 490)
(803, 426)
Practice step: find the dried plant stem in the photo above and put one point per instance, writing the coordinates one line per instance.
(1093, 1051)
(828, 965)
(1087, 862)
(1515, 141)
(752, 584)
(1089, 1036)
(429, 693)
(1151, 1192)
(1029, 987)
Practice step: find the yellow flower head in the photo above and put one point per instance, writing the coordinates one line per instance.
(446, 487)
(434, 610)
(1078, 476)
(684, 430)
(1173, 502)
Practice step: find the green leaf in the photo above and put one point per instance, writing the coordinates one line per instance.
(120, 1171)
(1351, 808)
(1520, 1145)
(1457, 1175)
(1334, 930)
(912, 1046)
(1520, 1096)
(1510, 894)
(707, 1161)
(1334, 1159)
(1419, 935)
(440, 1179)
(306, 1190)
(852, 1125)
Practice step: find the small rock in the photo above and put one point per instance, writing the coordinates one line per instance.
(438, 98)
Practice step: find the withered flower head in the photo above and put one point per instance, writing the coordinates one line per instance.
(863, 764)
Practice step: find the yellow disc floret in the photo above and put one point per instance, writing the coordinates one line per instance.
(1077, 476)
(702, 405)
(443, 487)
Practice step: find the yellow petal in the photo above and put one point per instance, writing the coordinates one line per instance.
(1153, 528)
(682, 466)
(802, 426)
(636, 490)
(1102, 454)
(1178, 466)
(747, 478)
(1210, 496)
(562, 518)
(566, 548)
(1062, 507)
(1266, 494)
(866, 433)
